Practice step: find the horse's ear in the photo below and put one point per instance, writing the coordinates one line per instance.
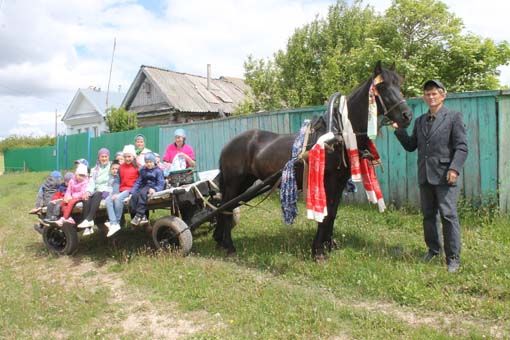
(378, 68)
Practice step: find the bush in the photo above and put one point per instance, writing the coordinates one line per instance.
(16, 142)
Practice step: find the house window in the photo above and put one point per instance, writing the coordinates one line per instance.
(79, 130)
(95, 131)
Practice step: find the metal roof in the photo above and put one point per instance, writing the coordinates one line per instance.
(97, 99)
(188, 93)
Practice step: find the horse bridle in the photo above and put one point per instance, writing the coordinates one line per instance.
(376, 81)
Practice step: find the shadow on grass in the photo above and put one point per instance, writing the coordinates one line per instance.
(127, 243)
(254, 247)
(297, 244)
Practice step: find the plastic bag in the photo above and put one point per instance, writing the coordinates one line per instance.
(179, 163)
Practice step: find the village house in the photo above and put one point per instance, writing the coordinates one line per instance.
(163, 97)
(87, 111)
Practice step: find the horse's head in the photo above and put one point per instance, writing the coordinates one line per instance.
(390, 101)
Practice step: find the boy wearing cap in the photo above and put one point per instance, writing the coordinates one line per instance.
(179, 148)
(440, 137)
(151, 180)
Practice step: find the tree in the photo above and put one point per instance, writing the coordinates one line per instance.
(118, 119)
(337, 53)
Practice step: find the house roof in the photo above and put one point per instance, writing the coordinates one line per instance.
(188, 93)
(96, 98)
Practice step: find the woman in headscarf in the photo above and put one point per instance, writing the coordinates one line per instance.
(140, 149)
(180, 154)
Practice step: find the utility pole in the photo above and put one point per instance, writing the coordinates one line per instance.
(110, 76)
(56, 117)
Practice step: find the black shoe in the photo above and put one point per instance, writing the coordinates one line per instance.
(429, 256)
(453, 265)
(144, 220)
(136, 220)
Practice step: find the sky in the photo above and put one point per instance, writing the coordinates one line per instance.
(50, 48)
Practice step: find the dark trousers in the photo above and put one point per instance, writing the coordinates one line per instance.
(439, 202)
(138, 201)
(90, 206)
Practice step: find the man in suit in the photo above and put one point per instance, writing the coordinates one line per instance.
(440, 137)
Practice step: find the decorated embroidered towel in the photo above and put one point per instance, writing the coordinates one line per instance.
(372, 114)
(288, 187)
(350, 141)
(370, 181)
(316, 208)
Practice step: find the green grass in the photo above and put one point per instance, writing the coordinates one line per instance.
(373, 286)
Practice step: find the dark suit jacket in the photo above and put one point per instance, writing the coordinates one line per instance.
(444, 147)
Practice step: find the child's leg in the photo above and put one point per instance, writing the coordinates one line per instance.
(92, 204)
(118, 205)
(141, 202)
(67, 209)
(110, 209)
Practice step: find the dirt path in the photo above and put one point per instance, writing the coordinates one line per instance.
(135, 315)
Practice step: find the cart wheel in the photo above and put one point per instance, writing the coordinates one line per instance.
(61, 240)
(171, 233)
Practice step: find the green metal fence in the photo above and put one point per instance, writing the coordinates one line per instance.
(486, 172)
(209, 137)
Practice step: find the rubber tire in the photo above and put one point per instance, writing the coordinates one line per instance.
(61, 240)
(172, 233)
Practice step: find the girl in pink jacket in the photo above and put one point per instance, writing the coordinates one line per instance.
(75, 189)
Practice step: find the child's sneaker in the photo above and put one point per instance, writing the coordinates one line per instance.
(136, 220)
(88, 231)
(60, 221)
(86, 224)
(107, 224)
(70, 220)
(144, 220)
(112, 229)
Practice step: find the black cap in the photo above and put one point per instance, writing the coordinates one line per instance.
(435, 83)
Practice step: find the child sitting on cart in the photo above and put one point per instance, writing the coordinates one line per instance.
(46, 190)
(74, 193)
(151, 180)
(53, 206)
(128, 173)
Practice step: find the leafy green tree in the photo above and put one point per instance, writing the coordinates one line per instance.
(119, 119)
(337, 53)
(15, 142)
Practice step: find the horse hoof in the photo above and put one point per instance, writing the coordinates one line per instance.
(320, 258)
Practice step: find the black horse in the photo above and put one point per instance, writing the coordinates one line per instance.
(257, 154)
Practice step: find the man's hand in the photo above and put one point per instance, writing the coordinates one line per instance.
(86, 196)
(151, 192)
(452, 176)
(114, 197)
(394, 125)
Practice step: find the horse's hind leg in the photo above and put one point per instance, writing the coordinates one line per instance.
(223, 232)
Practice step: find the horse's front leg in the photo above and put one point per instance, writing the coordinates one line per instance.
(324, 237)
